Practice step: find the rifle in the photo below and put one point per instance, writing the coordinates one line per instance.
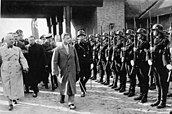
(170, 39)
(133, 70)
(152, 69)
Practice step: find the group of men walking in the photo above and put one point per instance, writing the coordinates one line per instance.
(121, 55)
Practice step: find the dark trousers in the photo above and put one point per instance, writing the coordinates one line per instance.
(123, 75)
(108, 73)
(101, 72)
(84, 77)
(161, 83)
(141, 72)
(95, 69)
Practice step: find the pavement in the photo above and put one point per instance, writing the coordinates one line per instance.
(99, 99)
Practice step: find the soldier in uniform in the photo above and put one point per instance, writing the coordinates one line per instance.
(102, 59)
(108, 55)
(159, 62)
(126, 56)
(140, 66)
(95, 49)
(116, 60)
(48, 47)
(83, 49)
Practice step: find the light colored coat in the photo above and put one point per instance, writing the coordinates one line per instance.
(65, 67)
(13, 61)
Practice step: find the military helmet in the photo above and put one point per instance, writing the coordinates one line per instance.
(118, 32)
(129, 32)
(90, 36)
(158, 27)
(105, 34)
(81, 32)
(141, 31)
(97, 35)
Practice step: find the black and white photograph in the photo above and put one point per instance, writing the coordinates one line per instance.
(85, 56)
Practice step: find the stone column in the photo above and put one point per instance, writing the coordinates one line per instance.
(49, 24)
(68, 15)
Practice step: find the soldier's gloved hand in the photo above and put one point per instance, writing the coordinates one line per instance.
(77, 76)
(152, 49)
(170, 50)
(169, 67)
(123, 48)
(134, 49)
(122, 59)
(150, 62)
(132, 62)
(25, 70)
(92, 66)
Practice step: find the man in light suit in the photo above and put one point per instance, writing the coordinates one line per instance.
(65, 66)
(12, 62)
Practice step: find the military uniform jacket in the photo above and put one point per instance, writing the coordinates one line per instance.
(85, 57)
(160, 45)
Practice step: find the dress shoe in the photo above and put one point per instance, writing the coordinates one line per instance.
(170, 112)
(161, 105)
(155, 104)
(103, 82)
(131, 94)
(117, 89)
(93, 78)
(27, 91)
(122, 90)
(126, 93)
(113, 87)
(152, 87)
(46, 86)
(100, 81)
(82, 94)
(110, 85)
(35, 95)
(138, 98)
(106, 83)
(15, 101)
(10, 107)
(62, 98)
(169, 95)
(143, 100)
(72, 106)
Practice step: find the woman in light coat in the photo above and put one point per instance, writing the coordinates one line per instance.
(65, 66)
(12, 63)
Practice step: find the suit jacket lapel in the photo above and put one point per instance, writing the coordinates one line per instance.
(70, 50)
(9, 53)
(64, 49)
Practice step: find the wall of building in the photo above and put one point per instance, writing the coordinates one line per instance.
(113, 11)
(84, 18)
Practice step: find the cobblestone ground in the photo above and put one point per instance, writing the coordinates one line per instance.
(99, 99)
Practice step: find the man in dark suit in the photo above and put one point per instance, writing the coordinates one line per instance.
(83, 49)
(37, 62)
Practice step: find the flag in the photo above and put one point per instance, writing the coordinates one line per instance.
(34, 28)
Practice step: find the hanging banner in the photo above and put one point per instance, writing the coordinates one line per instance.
(34, 28)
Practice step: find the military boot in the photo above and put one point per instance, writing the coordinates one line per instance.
(62, 98)
(122, 89)
(145, 94)
(132, 93)
(140, 96)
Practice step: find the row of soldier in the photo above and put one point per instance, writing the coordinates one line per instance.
(132, 54)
